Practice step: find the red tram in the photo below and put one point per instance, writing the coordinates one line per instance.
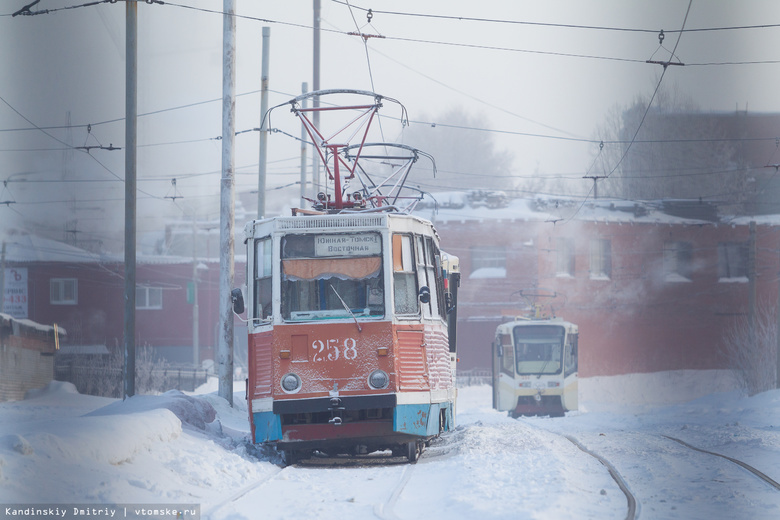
(352, 312)
(351, 333)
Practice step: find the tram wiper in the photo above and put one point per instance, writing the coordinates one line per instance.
(346, 307)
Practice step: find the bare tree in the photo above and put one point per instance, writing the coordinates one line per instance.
(751, 350)
(466, 155)
(676, 151)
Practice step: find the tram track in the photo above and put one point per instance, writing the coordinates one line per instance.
(631, 502)
(208, 514)
(738, 462)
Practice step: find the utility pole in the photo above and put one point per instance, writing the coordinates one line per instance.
(777, 363)
(195, 309)
(752, 282)
(316, 101)
(2, 278)
(227, 200)
(595, 183)
(263, 125)
(304, 90)
(131, 112)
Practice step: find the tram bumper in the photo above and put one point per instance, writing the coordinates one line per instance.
(372, 419)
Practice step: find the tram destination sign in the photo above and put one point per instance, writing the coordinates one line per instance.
(360, 244)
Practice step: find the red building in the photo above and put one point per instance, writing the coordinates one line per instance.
(650, 291)
(51, 282)
(652, 287)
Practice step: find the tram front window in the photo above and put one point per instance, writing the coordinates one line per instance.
(332, 277)
(538, 349)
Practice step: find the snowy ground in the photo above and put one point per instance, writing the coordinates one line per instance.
(59, 447)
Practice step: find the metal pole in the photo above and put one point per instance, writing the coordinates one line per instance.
(2, 278)
(227, 198)
(263, 125)
(195, 309)
(131, 129)
(752, 281)
(304, 90)
(316, 101)
(777, 353)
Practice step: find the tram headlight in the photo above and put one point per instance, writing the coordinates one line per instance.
(291, 383)
(378, 379)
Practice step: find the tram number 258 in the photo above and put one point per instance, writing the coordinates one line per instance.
(332, 350)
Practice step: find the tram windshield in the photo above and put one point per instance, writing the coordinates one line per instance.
(538, 349)
(332, 276)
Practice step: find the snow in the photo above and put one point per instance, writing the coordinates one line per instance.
(60, 447)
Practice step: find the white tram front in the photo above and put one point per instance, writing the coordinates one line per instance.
(535, 367)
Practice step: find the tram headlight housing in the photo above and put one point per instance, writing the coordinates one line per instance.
(291, 383)
(378, 379)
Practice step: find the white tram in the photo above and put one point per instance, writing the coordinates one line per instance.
(535, 367)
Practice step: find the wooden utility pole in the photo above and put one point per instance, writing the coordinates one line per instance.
(131, 113)
(227, 202)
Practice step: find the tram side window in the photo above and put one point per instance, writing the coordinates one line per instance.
(263, 271)
(508, 355)
(570, 362)
(404, 276)
(426, 266)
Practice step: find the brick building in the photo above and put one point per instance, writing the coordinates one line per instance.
(652, 287)
(26, 356)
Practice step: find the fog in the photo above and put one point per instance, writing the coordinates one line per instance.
(538, 89)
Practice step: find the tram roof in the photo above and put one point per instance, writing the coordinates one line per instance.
(569, 326)
(352, 221)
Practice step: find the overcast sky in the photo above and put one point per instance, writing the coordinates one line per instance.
(541, 87)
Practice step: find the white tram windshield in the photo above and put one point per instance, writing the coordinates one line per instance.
(538, 349)
(329, 276)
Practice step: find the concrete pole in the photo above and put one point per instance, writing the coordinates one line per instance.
(304, 90)
(264, 125)
(316, 102)
(227, 200)
(131, 130)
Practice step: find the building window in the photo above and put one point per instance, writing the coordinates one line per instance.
(148, 297)
(63, 291)
(678, 261)
(564, 257)
(600, 259)
(732, 260)
(488, 262)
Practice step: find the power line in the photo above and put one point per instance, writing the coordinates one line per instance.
(555, 25)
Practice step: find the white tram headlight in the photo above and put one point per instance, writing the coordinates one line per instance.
(378, 379)
(291, 383)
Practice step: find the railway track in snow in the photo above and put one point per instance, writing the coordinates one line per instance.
(738, 462)
(633, 505)
(631, 502)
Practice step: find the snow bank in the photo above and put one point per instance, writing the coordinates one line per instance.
(671, 387)
(193, 412)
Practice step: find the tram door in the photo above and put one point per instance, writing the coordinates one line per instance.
(503, 369)
(569, 398)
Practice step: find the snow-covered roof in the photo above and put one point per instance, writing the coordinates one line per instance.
(26, 248)
(460, 206)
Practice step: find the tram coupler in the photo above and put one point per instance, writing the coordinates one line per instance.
(335, 408)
